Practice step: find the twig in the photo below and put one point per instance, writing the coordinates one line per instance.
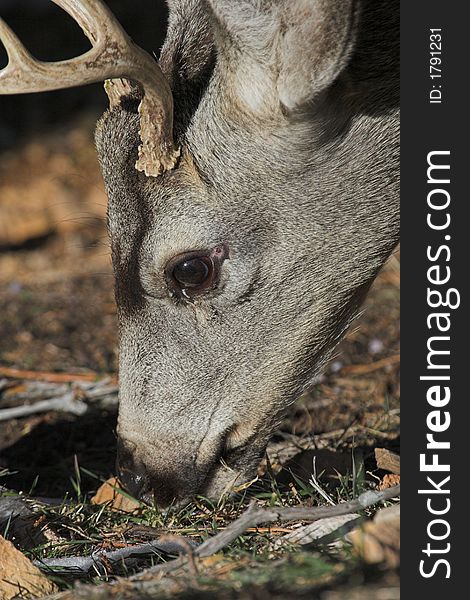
(67, 403)
(75, 401)
(351, 431)
(186, 546)
(102, 562)
(52, 377)
(371, 367)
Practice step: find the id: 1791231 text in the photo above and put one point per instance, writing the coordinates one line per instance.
(435, 65)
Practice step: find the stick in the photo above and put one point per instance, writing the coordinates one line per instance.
(67, 403)
(375, 366)
(75, 401)
(388, 461)
(53, 377)
(103, 562)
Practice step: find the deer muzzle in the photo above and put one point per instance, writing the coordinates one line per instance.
(172, 470)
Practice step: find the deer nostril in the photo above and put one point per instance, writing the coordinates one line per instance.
(151, 488)
(161, 490)
(132, 475)
(151, 476)
(136, 483)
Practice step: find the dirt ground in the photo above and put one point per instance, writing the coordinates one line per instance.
(57, 314)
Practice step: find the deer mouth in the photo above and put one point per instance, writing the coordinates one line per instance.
(176, 485)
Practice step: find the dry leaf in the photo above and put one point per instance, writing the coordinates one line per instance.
(378, 541)
(109, 493)
(389, 481)
(19, 578)
(323, 531)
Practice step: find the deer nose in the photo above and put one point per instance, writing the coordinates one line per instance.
(133, 475)
(161, 488)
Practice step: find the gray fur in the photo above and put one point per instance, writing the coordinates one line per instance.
(287, 115)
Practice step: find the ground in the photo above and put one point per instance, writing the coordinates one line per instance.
(57, 315)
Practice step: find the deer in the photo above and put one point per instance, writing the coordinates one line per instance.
(252, 176)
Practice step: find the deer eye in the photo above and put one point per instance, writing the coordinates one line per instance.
(192, 273)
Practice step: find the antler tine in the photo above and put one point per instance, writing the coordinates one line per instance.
(94, 18)
(113, 56)
(17, 53)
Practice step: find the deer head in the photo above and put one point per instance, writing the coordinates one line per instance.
(248, 235)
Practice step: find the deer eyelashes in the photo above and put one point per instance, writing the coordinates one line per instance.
(194, 273)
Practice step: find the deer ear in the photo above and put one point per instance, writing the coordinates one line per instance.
(297, 48)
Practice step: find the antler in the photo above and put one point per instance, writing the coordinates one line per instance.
(113, 55)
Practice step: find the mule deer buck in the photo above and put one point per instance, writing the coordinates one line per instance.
(252, 176)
